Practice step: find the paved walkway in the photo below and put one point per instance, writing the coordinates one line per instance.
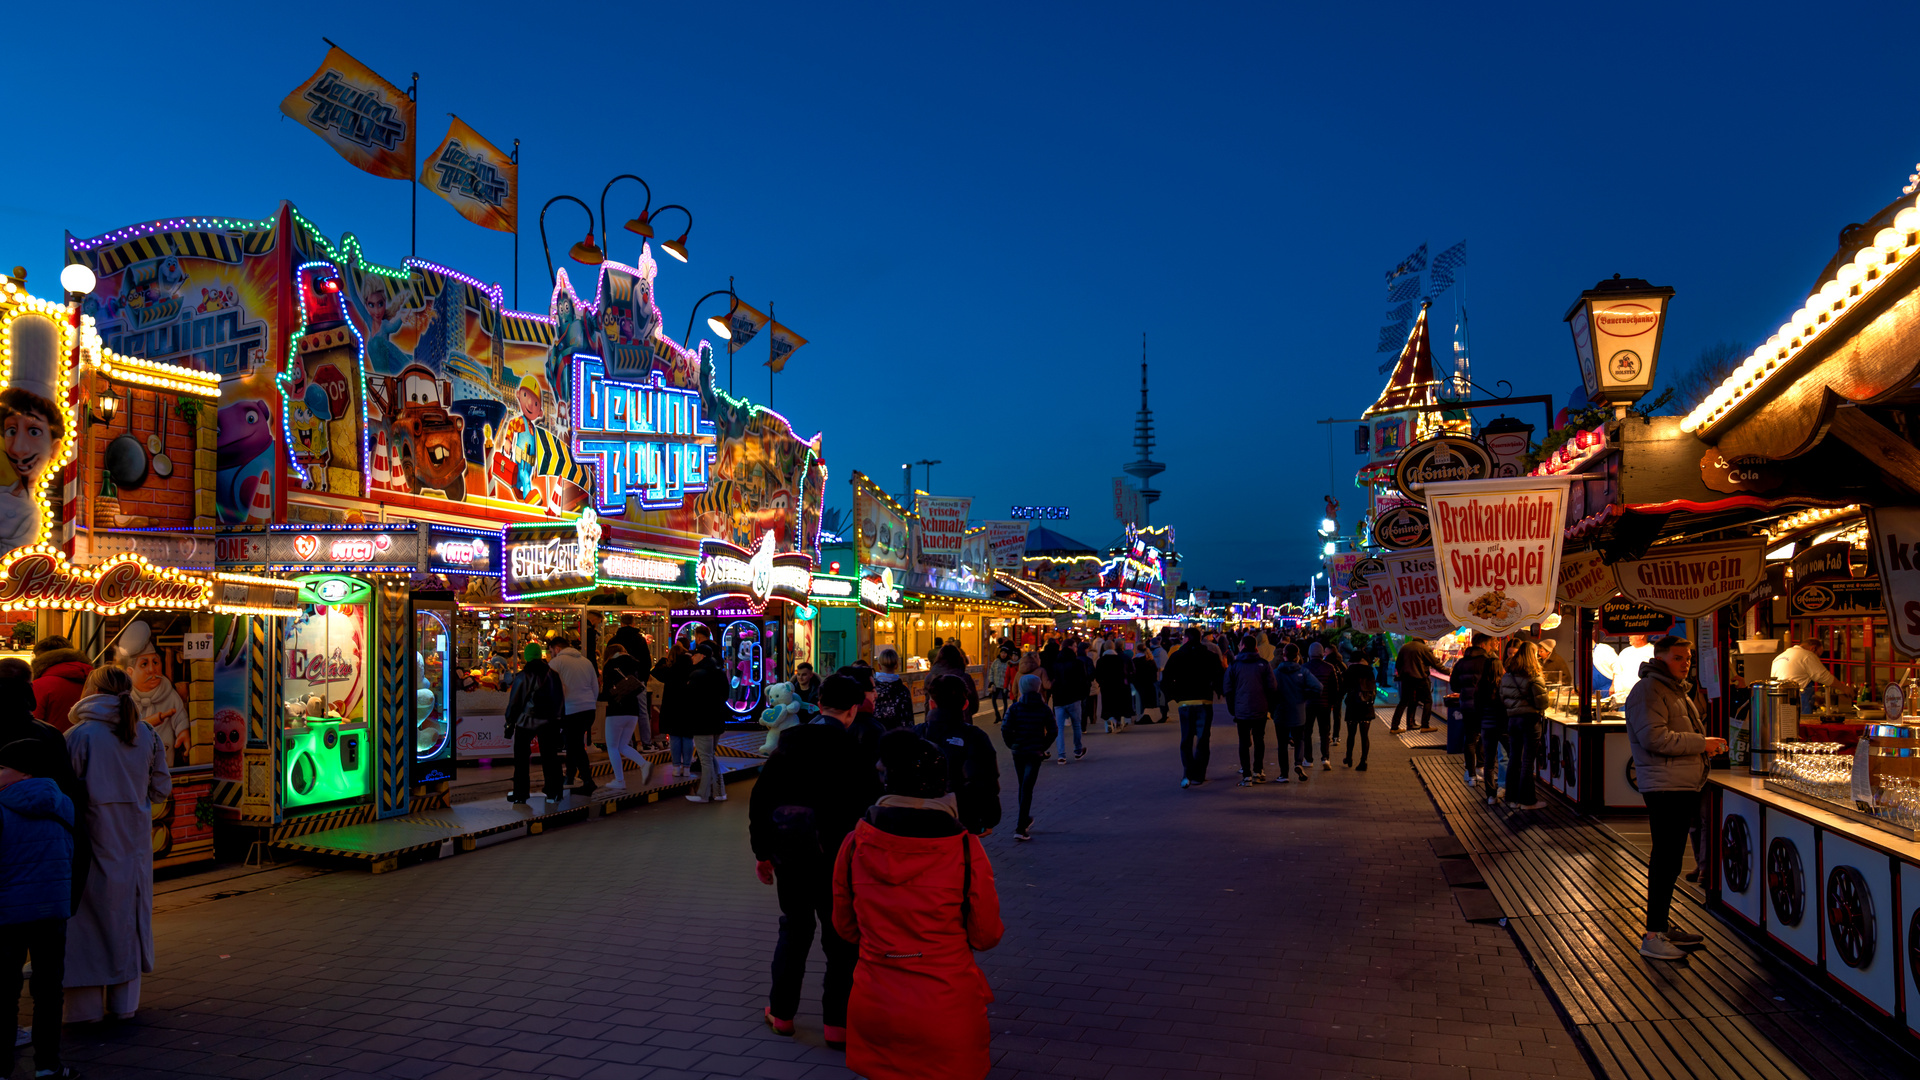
(1287, 931)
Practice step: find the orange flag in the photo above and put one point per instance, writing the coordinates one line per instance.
(365, 118)
(472, 174)
(780, 345)
(745, 323)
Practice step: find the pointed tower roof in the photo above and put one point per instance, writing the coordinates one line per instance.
(1412, 382)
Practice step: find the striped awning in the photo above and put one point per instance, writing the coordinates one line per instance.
(227, 247)
(1040, 597)
(527, 331)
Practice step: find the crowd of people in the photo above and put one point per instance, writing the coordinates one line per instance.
(79, 774)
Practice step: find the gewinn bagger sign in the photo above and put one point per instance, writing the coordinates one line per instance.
(1496, 546)
(1691, 580)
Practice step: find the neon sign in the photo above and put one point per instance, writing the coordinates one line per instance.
(546, 559)
(839, 588)
(461, 552)
(877, 591)
(625, 566)
(346, 549)
(1040, 513)
(728, 572)
(647, 440)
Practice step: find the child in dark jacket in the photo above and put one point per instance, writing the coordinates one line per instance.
(1028, 730)
(36, 869)
(975, 768)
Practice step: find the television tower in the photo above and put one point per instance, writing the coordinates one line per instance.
(1145, 468)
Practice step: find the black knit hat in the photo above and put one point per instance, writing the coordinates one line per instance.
(910, 765)
(25, 755)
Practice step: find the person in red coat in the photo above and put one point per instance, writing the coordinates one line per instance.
(914, 890)
(59, 671)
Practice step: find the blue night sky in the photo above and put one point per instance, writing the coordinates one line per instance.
(973, 214)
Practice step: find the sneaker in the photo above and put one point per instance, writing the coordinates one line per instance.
(1246, 781)
(1491, 801)
(1079, 752)
(1692, 875)
(1683, 937)
(1300, 771)
(1325, 765)
(1022, 836)
(718, 798)
(1282, 778)
(516, 799)
(1063, 759)
(1471, 780)
(1426, 727)
(1346, 763)
(622, 786)
(696, 798)
(1362, 767)
(1657, 947)
(1185, 782)
(775, 1024)
(836, 1038)
(1259, 778)
(1540, 804)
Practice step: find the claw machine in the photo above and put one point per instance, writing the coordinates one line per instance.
(327, 738)
(432, 680)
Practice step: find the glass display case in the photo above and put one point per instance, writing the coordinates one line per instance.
(750, 651)
(433, 698)
(328, 754)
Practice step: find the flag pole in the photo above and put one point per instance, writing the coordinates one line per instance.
(413, 231)
(770, 325)
(516, 225)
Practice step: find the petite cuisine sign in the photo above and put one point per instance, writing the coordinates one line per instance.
(1497, 546)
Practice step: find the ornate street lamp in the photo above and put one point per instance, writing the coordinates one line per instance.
(1617, 326)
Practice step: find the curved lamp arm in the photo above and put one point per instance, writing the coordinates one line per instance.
(678, 248)
(603, 203)
(686, 340)
(543, 229)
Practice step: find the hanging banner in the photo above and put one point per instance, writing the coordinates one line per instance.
(943, 522)
(1896, 545)
(1006, 544)
(781, 345)
(1497, 545)
(365, 118)
(1416, 595)
(1691, 580)
(1620, 617)
(1439, 459)
(1585, 580)
(1836, 598)
(880, 527)
(472, 174)
(730, 573)
(1364, 613)
(744, 322)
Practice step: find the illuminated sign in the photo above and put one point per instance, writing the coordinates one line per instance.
(1039, 513)
(322, 547)
(834, 588)
(647, 440)
(546, 559)
(877, 591)
(36, 577)
(729, 572)
(646, 569)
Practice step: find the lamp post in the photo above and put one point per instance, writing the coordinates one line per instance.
(642, 225)
(583, 252)
(677, 247)
(718, 325)
(1617, 326)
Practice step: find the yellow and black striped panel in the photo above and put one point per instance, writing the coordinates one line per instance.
(393, 716)
(218, 246)
(307, 824)
(524, 331)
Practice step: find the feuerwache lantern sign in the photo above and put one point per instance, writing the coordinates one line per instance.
(1691, 580)
(1438, 459)
(1496, 546)
(1617, 326)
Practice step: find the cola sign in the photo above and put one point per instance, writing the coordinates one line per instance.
(729, 572)
(38, 579)
(1438, 459)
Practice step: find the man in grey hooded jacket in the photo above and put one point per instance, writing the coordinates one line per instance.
(1670, 750)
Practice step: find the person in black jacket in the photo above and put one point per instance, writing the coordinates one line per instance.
(534, 707)
(811, 791)
(630, 638)
(1250, 692)
(973, 767)
(1191, 682)
(17, 708)
(1028, 729)
(1475, 680)
(1360, 688)
(672, 671)
(1070, 680)
(707, 715)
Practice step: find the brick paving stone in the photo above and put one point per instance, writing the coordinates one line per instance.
(1299, 931)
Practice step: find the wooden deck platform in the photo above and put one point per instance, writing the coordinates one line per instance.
(1574, 896)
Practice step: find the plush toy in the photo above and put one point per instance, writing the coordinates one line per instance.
(781, 713)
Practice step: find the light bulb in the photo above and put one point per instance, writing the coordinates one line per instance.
(76, 277)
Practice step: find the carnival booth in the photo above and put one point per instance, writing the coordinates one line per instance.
(408, 481)
(104, 500)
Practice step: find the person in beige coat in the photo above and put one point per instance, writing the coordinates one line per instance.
(1670, 751)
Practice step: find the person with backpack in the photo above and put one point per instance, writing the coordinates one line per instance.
(534, 708)
(914, 892)
(892, 701)
(1360, 689)
(1297, 687)
(1250, 691)
(1028, 729)
(36, 897)
(812, 789)
(973, 774)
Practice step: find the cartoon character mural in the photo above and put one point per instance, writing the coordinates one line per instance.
(202, 294)
(155, 697)
(31, 426)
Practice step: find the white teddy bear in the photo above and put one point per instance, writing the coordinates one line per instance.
(781, 713)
